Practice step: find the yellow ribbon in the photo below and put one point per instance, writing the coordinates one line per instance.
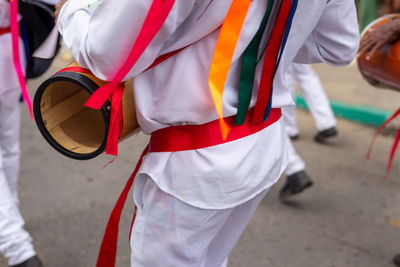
(223, 54)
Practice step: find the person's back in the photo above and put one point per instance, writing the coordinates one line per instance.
(217, 178)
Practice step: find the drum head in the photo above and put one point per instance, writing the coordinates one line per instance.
(71, 128)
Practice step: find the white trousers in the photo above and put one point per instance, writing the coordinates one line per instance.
(295, 162)
(314, 94)
(170, 233)
(15, 242)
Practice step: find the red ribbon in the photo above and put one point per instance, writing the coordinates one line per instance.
(14, 27)
(155, 19)
(394, 146)
(271, 56)
(108, 249)
(189, 137)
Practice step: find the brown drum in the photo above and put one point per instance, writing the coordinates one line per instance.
(383, 68)
(71, 128)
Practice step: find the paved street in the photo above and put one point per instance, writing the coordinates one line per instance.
(349, 218)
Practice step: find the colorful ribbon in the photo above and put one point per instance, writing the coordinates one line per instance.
(269, 66)
(285, 37)
(155, 19)
(248, 70)
(14, 28)
(395, 143)
(223, 54)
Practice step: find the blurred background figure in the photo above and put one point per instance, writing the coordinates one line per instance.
(15, 242)
(380, 37)
(318, 103)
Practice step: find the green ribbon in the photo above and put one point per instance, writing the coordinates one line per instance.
(249, 64)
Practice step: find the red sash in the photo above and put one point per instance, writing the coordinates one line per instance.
(4, 30)
(175, 138)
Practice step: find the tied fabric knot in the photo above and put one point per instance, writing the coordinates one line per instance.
(115, 91)
(155, 19)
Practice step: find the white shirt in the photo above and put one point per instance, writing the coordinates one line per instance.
(176, 91)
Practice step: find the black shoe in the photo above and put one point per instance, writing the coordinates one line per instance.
(294, 137)
(396, 260)
(295, 184)
(325, 134)
(31, 262)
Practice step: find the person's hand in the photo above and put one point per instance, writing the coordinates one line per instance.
(58, 7)
(378, 37)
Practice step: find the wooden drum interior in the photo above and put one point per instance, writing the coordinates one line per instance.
(73, 126)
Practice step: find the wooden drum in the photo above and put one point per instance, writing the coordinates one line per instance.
(71, 128)
(383, 68)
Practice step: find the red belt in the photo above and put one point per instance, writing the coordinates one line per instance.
(4, 30)
(175, 138)
(189, 137)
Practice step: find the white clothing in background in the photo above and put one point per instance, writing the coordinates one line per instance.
(295, 162)
(15, 241)
(314, 95)
(8, 76)
(170, 233)
(176, 91)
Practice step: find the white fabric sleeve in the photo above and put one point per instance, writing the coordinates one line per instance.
(335, 39)
(102, 39)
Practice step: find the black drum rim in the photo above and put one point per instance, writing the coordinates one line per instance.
(90, 86)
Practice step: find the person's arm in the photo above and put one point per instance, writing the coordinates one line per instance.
(376, 38)
(336, 37)
(102, 39)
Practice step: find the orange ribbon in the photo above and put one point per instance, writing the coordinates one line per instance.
(223, 55)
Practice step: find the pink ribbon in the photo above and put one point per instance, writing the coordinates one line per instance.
(14, 27)
(155, 19)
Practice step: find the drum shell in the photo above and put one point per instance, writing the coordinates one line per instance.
(54, 108)
(382, 69)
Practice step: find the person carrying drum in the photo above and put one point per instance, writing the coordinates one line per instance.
(387, 33)
(194, 203)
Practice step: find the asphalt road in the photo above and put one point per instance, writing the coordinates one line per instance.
(349, 218)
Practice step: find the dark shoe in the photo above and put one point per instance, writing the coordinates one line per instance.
(31, 262)
(325, 134)
(295, 184)
(396, 260)
(294, 137)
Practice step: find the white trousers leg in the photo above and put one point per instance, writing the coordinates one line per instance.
(15, 242)
(295, 162)
(314, 94)
(170, 233)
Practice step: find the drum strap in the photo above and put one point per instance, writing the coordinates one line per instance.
(175, 138)
(4, 30)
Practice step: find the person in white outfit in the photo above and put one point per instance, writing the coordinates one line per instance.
(15, 242)
(193, 205)
(318, 103)
(316, 99)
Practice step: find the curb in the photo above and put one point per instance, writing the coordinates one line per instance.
(362, 114)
